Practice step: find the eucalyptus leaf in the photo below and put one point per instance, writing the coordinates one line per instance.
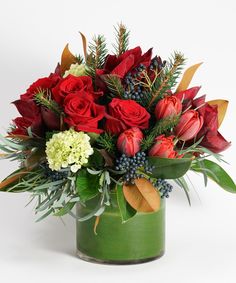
(217, 174)
(64, 210)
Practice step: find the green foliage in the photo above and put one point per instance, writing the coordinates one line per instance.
(87, 185)
(162, 126)
(181, 182)
(114, 85)
(166, 79)
(122, 39)
(126, 211)
(216, 173)
(165, 125)
(79, 59)
(97, 55)
(108, 142)
(96, 160)
(44, 98)
(169, 168)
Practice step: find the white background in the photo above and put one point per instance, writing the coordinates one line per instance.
(201, 240)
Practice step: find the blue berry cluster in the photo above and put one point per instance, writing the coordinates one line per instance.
(157, 64)
(53, 175)
(131, 164)
(164, 187)
(133, 90)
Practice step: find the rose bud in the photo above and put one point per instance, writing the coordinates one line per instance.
(168, 107)
(163, 147)
(189, 125)
(129, 141)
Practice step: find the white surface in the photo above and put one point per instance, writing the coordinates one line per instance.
(201, 241)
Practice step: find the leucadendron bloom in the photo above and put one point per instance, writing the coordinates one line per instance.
(68, 149)
(76, 70)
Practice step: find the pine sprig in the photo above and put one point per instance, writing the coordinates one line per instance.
(97, 55)
(114, 85)
(163, 126)
(108, 142)
(44, 98)
(122, 39)
(168, 77)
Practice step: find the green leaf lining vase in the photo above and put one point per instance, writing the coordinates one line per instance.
(140, 239)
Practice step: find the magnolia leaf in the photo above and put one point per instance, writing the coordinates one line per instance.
(20, 137)
(187, 77)
(84, 45)
(96, 224)
(67, 58)
(14, 177)
(142, 196)
(222, 108)
(35, 158)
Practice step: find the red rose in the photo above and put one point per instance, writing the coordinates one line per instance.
(124, 114)
(168, 107)
(163, 147)
(121, 65)
(129, 141)
(82, 113)
(189, 125)
(46, 83)
(31, 118)
(72, 84)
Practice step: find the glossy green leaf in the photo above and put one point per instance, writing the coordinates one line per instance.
(126, 210)
(96, 160)
(87, 185)
(169, 168)
(215, 172)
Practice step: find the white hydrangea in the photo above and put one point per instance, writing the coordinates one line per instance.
(76, 70)
(68, 149)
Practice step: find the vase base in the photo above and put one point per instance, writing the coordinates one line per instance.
(116, 262)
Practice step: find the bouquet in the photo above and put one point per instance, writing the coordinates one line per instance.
(126, 123)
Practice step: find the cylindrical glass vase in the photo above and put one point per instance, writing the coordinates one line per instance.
(140, 239)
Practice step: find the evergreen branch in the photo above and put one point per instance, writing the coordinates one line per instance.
(108, 142)
(122, 39)
(79, 59)
(44, 99)
(163, 126)
(97, 55)
(167, 78)
(114, 85)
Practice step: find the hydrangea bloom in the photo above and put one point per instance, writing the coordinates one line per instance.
(68, 149)
(76, 70)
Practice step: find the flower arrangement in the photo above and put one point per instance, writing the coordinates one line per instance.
(102, 124)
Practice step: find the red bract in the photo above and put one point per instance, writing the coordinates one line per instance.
(31, 118)
(212, 139)
(124, 63)
(42, 84)
(124, 114)
(129, 141)
(189, 125)
(168, 107)
(82, 113)
(163, 147)
(72, 84)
